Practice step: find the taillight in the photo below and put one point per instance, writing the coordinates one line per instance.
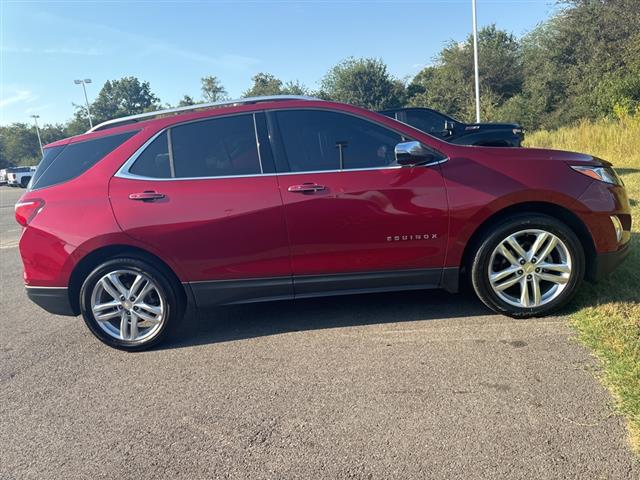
(26, 210)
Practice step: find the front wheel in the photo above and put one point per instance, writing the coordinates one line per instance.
(529, 265)
(129, 304)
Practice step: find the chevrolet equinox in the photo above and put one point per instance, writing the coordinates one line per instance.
(274, 198)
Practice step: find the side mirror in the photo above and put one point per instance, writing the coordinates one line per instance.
(413, 153)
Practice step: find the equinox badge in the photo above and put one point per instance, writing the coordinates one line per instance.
(404, 238)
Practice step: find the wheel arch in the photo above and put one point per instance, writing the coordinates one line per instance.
(551, 209)
(101, 254)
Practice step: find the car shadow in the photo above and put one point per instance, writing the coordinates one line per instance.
(237, 322)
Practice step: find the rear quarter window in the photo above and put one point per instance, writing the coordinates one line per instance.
(63, 163)
(154, 161)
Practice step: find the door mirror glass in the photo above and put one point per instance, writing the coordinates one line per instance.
(413, 153)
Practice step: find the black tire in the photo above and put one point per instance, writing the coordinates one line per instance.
(479, 264)
(166, 286)
(24, 181)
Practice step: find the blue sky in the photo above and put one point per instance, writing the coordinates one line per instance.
(45, 45)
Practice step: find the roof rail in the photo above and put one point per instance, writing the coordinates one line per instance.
(189, 108)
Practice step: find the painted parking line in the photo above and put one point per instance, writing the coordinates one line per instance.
(12, 244)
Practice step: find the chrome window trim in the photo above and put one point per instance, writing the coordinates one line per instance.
(172, 166)
(375, 122)
(255, 132)
(123, 171)
(130, 176)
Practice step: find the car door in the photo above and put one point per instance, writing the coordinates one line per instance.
(355, 218)
(204, 195)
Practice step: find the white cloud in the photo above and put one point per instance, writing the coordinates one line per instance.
(39, 108)
(16, 49)
(152, 46)
(73, 51)
(421, 66)
(17, 96)
(147, 45)
(53, 50)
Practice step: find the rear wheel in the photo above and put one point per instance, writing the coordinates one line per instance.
(530, 265)
(130, 304)
(24, 181)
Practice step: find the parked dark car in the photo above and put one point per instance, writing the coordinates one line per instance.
(276, 198)
(451, 130)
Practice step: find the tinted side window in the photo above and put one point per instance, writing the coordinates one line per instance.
(48, 157)
(154, 160)
(316, 140)
(426, 121)
(215, 148)
(77, 158)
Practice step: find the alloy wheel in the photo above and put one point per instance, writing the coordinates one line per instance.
(530, 268)
(128, 305)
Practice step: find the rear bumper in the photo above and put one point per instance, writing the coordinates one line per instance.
(605, 263)
(53, 300)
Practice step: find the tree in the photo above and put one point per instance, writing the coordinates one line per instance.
(118, 98)
(364, 82)
(294, 88)
(264, 84)
(582, 63)
(19, 143)
(185, 101)
(212, 89)
(449, 84)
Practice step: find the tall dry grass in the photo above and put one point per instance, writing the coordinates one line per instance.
(607, 318)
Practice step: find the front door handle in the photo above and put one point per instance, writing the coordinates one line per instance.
(306, 188)
(146, 196)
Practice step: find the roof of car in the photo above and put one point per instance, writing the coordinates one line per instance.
(189, 108)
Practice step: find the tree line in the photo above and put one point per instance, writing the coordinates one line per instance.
(584, 62)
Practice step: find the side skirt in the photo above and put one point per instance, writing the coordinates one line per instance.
(230, 292)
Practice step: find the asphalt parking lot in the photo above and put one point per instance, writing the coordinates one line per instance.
(405, 385)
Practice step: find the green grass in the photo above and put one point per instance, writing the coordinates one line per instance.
(608, 314)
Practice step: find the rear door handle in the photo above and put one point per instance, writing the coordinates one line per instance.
(306, 188)
(146, 196)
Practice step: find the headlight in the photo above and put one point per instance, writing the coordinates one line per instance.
(604, 174)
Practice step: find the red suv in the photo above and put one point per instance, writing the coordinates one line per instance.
(282, 198)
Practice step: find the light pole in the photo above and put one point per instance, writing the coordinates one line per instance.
(35, 120)
(475, 57)
(84, 89)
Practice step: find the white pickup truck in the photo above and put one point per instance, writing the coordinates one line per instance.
(19, 176)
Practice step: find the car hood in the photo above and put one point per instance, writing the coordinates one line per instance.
(533, 154)
(491, 126)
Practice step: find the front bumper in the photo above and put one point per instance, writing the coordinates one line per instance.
(605, 263)
(53, 300)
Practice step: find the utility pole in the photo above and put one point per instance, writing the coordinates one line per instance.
(84, 88)
(475, 57)
(35, 120)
